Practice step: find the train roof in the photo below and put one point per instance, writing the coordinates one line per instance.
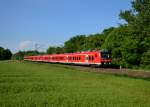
(81, 52)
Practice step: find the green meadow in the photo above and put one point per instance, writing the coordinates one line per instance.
(28, 84)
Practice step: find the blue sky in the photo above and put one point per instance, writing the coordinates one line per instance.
(24, 23)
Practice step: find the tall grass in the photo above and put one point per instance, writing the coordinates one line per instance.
(26, 84)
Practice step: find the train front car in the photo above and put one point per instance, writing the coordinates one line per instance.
(105, 59)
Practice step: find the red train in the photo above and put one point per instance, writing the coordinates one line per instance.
(98, 58)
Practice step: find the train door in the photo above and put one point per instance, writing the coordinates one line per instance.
(91, 59)
(67, 59)
(86, 59)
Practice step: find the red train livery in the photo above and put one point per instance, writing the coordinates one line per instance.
(101, 57)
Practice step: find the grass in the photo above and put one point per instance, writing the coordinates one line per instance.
(27, 84)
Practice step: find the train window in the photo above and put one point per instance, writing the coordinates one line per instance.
(105, 55)
(92, 58)
(89, 57)
(86, 58)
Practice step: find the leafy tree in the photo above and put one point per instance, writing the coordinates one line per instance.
(138, 21)
(5, 54)
(145, 59)
(53, 50)
(94, 42)
(1, 53)
(60, 50)
(31, 52)
(75, 43)
(20, 55)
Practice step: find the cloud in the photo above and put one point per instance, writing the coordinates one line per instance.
(26, 45)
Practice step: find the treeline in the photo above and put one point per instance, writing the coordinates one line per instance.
(5, 54)
(81, 43)
(20, 55)
(128, 43)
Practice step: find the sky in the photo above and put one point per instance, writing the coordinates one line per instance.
(24, 23)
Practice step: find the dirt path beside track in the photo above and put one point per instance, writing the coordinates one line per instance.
(122, 72)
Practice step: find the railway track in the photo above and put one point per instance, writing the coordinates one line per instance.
(114, 71)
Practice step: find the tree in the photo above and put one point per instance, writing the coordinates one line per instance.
(145, 59)
(94, 42)
(8, 54)
(54, 50)
(51, 50)
(138, 24)
(5, 54)
(75, 44)
(59, 50)
(18, 56)
(1, 53)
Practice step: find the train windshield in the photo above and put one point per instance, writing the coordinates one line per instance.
(105, 55)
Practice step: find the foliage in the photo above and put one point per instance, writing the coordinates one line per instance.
(75, 44)
(94, 42)
(20, 55)
(5, 54)
(130, 43)
(86, 42)
(53, 50)
(145, 59)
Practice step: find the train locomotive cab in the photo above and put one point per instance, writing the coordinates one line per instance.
(105, 58)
